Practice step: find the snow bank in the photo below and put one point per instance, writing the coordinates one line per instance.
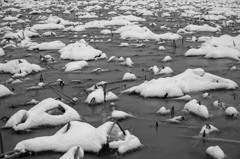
(19, 67)
(42, 114)
(191, 80)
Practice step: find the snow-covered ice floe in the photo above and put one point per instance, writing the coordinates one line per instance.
(4, 91)
(49, 112)
(79, 51)
(191, 80)
(204, 27)
(196, 108)
(98, 96)
(224, 46)
(216, 152)
(19, 67)
(137, 32)
(76, 65)
(53, 45)
(73, 153)
(83, 135)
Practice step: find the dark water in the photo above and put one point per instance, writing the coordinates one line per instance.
(167, 140)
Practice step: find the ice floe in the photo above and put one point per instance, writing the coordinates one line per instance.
(49, 112)
(191, 80)
(19, 67)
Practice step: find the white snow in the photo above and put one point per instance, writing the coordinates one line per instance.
(79, 51)
(19, 67)
(167, 59)
(163, 111)
(231, 112)
(40, 115)
(194, 107)
(78, 134)
(161, 48)
(118, 114)
(73, 152)
(50, 26)
(97, 96)
(136, 32)
(53, 45)
(216, 152)
(204, 27)
(191, 80)
(165, 70)
(208, 128)
(2, 53)
(83, 135)
(128, 62)
(128, 76)
(130, 142)
(76, 65)
(224, 46)
(4, 91)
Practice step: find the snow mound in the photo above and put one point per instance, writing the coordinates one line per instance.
(129, 18)
(49, 26)
(204, 27)
(128, 76)
(56, 20)
(98, 96)
(75, 28)
(163, 111)
(76, 65)
(208, 128)
(4, 91)
(72, 152)
(216, 152)
(191, 80)
(44, 113)
(118, 114)
(136, 32)
(72, 134)
(19, 67)
(83, 135)
(224, 46)
(53, 45)
(194, 107)
(79, 51)
(130, 142)
(2, 53)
